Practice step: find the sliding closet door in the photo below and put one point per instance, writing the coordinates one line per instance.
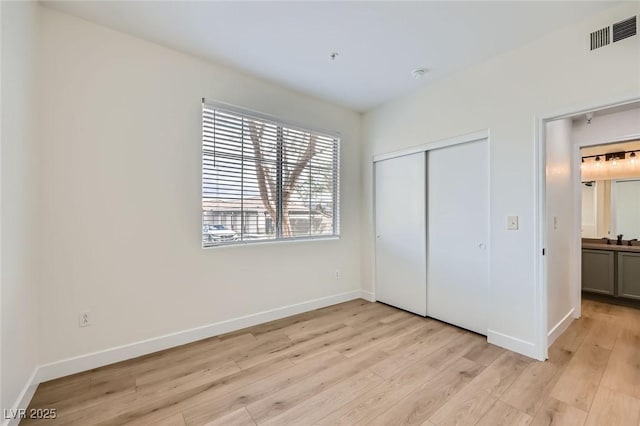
(458, 232)
(400, 210)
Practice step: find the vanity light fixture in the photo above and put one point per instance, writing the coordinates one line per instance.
(613, 159)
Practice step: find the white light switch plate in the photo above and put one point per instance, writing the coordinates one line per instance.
(512, 223)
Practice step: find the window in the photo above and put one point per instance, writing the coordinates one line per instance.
(265, 180)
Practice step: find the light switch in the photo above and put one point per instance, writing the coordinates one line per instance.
(512, 223)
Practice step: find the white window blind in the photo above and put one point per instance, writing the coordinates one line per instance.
(263, 179)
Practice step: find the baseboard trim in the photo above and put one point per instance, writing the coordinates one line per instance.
(514, 344)
(121, 353)
(560, 327)
(368, 295)
(23, 400)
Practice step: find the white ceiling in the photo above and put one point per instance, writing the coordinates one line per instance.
(379, 42)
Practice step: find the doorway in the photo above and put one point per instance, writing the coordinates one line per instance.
(560, 202)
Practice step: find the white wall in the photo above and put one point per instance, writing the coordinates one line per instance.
(607, 128)
(121, 214)
(19, 179)
(561, 218)
(552, 75)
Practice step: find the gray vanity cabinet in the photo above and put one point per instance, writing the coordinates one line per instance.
(628, 275)
(598, 271)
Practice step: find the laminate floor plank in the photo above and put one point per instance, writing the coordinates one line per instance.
(216, 402)
(240, 417)
(580, 380)
(623, 371)
(558, 413)
(205, 408)
(483, 352)
(612, 408)
(604, 333)
(175, 420)
(408, 355)
(326, 402)
(502, 414)
(470, 404)
(360, 363)
(410, 336)
(164, 399)
(352, 307)
(455, 349)
(366, 407)
(376, 336)
(419, 405)
(529, 391)
(284, 399)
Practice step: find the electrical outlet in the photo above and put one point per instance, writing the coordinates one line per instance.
(84, 319)
(337, 274)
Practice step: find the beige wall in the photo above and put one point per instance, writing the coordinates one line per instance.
(19, 202)
(121, 203)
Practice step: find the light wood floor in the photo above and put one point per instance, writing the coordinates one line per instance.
(366, 363)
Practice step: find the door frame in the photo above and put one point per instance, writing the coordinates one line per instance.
(428, 146)
(540, 219)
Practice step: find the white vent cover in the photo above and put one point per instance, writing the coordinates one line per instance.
(613, 33)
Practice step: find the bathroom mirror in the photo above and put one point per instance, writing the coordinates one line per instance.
(611, 207)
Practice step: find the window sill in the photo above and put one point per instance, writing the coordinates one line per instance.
(269, 242)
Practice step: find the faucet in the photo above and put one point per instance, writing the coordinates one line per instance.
(630, 242)
(607, 240)
(619, 242)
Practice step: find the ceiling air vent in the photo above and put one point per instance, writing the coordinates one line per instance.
(624, 29)
(600, 38)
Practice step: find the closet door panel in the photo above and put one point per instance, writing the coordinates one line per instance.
(458, 233)
(400, 220)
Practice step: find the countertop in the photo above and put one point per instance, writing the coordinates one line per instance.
(612, 247)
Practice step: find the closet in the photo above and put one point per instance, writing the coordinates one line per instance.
(432, 232)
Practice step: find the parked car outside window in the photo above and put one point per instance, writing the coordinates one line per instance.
(218, 233)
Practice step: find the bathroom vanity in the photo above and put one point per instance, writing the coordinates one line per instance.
(612, 270)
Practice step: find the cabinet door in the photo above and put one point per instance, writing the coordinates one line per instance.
(598, 271)
(629, 275)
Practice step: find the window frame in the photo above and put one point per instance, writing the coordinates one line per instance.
(252, 114)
